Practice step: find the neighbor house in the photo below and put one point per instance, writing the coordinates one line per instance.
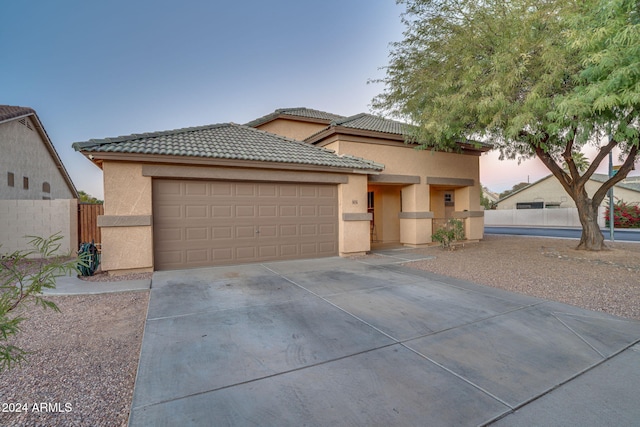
(30, 168)
(37, 196)
(296, 183)
(548, 193)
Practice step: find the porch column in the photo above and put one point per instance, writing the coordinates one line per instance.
(415, 217)
(468, 210)
(354, 221)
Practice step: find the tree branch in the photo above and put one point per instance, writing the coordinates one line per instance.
(626, 167)
(555, 169)
(602, 153)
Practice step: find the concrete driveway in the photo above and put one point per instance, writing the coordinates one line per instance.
(341, 342)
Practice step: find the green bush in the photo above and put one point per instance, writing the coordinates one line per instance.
(23, 276)
(452, 231)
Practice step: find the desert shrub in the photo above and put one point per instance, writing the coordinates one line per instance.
(452, 231)
(23, 276)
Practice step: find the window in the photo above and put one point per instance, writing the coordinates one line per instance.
(530, 205)
(46, 188)
(25, 183)
(448, 199)
(370, 200)
(10, 179)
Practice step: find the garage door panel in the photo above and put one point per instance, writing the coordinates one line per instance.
(222, 232)
(267, 190)
(223, 211)
(268, 211)
(288, 190)
(327, 229)
(289, 251)
(201, 223)
(246, 253)
(197, 255)
(197, 233)
(195, 189)
(245, 190)
(221, 189)
(244, 232)
(327, 211)
(196, 211)
(327, 191)
(268, 232)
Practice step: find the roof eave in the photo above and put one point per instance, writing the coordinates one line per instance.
(98, 157)
(52, 152)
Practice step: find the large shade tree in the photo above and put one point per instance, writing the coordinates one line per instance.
(537, 78)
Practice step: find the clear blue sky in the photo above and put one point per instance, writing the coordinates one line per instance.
(100, 69)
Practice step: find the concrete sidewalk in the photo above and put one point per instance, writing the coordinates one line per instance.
(341, 342)
(72, 285)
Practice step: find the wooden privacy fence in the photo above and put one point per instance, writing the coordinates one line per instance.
(88, 230)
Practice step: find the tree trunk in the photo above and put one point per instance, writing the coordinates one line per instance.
(592, 238)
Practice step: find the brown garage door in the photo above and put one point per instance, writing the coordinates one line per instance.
(204, 223)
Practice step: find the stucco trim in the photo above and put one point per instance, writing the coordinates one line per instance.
(206, 161)
(357, 216)
(124, 220)
(234, 174)
(394, 179)
(468, 214)
(415, 215)
(458, 182)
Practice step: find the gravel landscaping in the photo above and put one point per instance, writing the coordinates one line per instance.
(82, 364)
(84, 359)
(552, 269)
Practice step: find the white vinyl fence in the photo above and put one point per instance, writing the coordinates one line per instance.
(556, 217)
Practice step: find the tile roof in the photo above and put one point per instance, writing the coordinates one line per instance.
(8, 112)
(226, 141)
(364, 121)
(633, 186)
(307, 113)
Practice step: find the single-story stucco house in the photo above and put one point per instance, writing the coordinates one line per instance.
(548, 193)
(296, 183)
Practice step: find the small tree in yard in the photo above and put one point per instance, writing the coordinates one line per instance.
(22, 279)
(539, 78)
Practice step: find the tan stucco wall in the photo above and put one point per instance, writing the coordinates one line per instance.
(292, 129)
(354, 236)
(126, 193)
(405, 160)
(385, 212)
(24, 153)
(550, 190)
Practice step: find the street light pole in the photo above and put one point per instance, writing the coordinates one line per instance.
(611, 216)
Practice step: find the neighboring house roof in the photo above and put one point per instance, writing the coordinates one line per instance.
(297, 112)
(11, 112)
(598, 177)
(226, 141)
(8, 112)
(601, 177)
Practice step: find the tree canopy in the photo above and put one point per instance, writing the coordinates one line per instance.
(533, 77)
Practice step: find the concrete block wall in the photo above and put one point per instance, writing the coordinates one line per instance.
(42, 218)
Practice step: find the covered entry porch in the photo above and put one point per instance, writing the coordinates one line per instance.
(405, 210)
